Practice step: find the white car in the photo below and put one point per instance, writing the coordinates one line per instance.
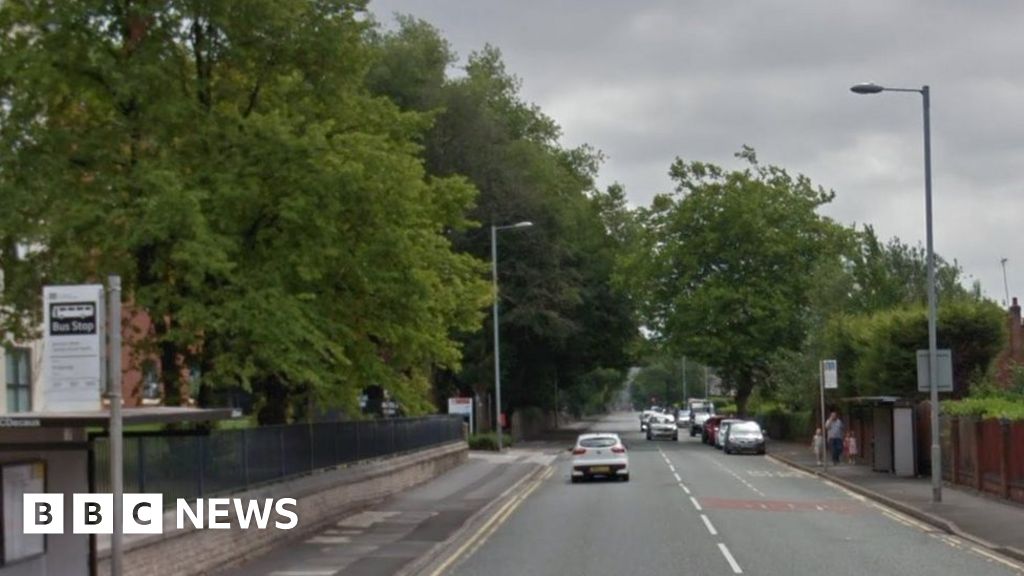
(645, 416)
(600, 454)
(662, 426)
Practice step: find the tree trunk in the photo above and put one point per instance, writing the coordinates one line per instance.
(744, 386)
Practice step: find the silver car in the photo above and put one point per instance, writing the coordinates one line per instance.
(744, 437)
(662, 426)
(723, 431)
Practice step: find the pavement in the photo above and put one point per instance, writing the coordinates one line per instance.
(405, 533)
(984, 520)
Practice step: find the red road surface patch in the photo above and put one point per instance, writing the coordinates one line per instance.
(833, 506)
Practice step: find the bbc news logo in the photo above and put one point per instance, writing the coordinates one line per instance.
(144, 513)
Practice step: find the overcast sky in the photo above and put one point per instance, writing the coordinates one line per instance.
(646, 81)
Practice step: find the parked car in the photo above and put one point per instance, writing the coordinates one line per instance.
(723, 431)
(744, 437)
(708, 429)
(599, 455)
(662, 426)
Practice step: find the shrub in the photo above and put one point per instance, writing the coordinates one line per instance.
(487, 441)
(1005, 406)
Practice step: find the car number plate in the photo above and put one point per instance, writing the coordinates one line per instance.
(599, 469)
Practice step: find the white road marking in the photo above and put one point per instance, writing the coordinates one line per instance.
(695, 503)
(329, 572)
(678, 479)
(709, 526)
(329, 540)
(728, 558)
(683, 486)
(671, 467)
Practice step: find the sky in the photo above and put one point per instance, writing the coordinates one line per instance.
(651, 80)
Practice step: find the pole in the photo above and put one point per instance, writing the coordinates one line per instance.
(115, 429)
(497, 343)
(932, 337)
(705, 384)
(824, 433)
(685, 395)
(1006, 285)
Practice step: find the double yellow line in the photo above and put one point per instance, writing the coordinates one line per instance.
(493, 523)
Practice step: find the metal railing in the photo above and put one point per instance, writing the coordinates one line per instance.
(194, 464)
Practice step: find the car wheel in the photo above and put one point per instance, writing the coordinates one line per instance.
(675, 437)
(575, 479)
(625, 477)
(649, 436)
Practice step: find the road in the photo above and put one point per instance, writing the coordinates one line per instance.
(690, 509)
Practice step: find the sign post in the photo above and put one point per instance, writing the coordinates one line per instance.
(114, 396)
(828, 380)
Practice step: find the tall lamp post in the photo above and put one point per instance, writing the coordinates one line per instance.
(497, 343)
(1006, 285)
(872, 88)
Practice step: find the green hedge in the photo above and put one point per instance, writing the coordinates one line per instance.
(487, 441)
(986, 407)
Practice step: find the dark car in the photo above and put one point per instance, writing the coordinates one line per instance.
(744, 436)
(710, 427)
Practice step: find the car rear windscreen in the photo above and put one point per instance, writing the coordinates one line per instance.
(604, 442)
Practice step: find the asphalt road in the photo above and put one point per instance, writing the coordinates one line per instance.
(690, 509)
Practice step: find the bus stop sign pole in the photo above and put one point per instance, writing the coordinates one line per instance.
(115, 428)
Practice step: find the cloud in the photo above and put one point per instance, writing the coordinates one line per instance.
(648, 81)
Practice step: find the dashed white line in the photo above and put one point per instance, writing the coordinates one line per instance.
(695, 503)
(671, 467)
(683, 486)
(707, 523)
(728, 558)
(678, 479)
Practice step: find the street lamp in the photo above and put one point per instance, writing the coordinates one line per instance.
(497, 345)
(872, 88)
(1006, 285)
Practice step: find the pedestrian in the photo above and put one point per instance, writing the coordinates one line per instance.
(851, 447)
(818, 445)
(834, 435)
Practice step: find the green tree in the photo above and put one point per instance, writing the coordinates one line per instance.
(729, 263)
(226, 158)
(560, 319)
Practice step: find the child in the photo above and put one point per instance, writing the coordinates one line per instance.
(818, 445)
(851, 447)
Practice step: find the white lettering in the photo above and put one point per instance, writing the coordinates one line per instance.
(219, 508)
(185, 510)
(253, 510)
(282, 511)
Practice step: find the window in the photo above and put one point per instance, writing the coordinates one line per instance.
(18, 380)
(150, 381)
(600, 442)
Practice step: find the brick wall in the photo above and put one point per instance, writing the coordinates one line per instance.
(321, 498)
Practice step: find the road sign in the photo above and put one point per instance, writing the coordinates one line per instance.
(830, 374)
(73, 341)
(462, 406)
(945, 368)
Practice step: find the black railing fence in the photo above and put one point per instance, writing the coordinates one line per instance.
(194, 465)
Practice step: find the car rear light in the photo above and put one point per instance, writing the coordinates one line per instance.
(579, 451)
(619, 450)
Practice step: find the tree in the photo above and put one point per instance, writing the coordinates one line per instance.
(728, 264)
(561, 320)
(273, 217)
